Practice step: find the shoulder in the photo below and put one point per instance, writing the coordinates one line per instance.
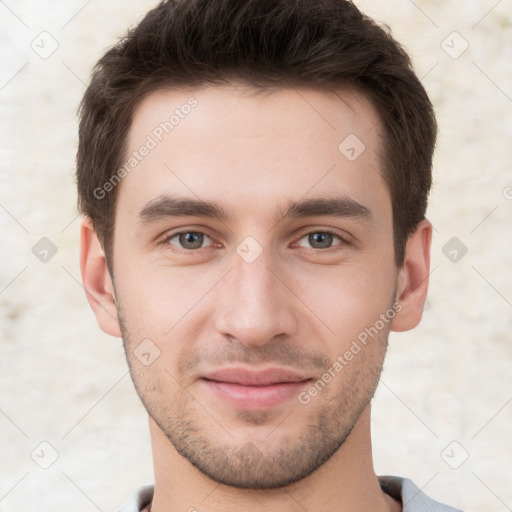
(402, 489)
(413, 499)
(139, 500)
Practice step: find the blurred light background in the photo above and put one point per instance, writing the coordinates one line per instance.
(443, 412)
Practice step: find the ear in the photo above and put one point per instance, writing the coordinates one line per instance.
(412, 281)
(96, 278)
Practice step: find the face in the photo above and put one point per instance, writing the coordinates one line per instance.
(255, 323)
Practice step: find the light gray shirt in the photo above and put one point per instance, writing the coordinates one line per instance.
(401, 489)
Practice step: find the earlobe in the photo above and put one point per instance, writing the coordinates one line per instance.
(412, 282)
(97, 281)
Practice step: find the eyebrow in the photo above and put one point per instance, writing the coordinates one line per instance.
(167, 206)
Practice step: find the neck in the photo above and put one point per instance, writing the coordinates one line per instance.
(346, 482)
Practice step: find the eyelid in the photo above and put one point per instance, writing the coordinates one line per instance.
(344, 239)
(172, 234)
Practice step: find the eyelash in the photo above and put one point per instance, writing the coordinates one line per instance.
(169, 237)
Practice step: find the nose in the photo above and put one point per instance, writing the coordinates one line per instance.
(255, 302)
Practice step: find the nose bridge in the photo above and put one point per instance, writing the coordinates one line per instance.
(256, 306)
(255, 282)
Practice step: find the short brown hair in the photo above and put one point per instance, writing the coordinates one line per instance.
(264, 44)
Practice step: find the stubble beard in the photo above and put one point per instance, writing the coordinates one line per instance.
(258, 465)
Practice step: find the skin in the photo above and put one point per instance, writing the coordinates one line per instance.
(298, 305)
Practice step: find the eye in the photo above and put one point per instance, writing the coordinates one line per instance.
(187, 240)
(192, 241)
(322, 239)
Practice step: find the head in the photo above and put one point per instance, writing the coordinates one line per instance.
(217, 140)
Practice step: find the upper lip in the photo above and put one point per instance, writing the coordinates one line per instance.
(252, 377)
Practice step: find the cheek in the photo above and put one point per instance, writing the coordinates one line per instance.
(347, 299)
(335, 301)
(156, 298)
(171, 307)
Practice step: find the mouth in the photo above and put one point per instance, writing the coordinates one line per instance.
(255, 390)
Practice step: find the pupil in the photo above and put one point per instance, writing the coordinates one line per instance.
(323, 239)
(191, 238)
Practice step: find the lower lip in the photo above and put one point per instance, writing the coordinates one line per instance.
(255, 397)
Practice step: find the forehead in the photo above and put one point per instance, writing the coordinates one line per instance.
(232, 145)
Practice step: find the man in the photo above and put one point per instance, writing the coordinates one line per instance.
(254, 177)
